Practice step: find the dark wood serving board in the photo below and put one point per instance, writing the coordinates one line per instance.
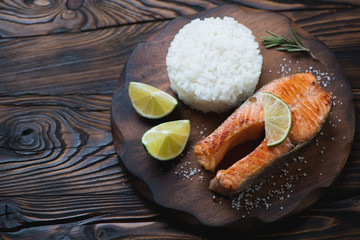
(181, 186)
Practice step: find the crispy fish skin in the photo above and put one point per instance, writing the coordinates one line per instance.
(247, 170)
(310, 105)
(248, 120)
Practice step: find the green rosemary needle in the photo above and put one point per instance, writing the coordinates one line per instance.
(292, 43)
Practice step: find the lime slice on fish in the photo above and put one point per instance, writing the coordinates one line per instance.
(149, 101)
(277, 119)
(167, 140)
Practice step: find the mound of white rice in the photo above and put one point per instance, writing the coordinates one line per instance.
(214, 64)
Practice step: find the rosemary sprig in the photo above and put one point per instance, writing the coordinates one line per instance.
(292, 43)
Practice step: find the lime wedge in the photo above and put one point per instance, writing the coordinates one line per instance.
(149, 101)
(277, 119)
(167, 140)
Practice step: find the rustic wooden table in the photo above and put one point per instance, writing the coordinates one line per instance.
(60, 175)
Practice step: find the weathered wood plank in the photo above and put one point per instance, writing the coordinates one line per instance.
(44, 17)
(91, 62)
(115, 228)
(18, 213)
(33, 182)
(90, 183)
(60, 176)
(273, 5)
(339, 30)
(58, 145)
(88, 62)
(58, 163)
(112, 219)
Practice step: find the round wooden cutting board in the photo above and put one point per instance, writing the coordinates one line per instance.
(180, 186)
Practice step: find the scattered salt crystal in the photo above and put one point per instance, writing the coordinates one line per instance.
(187, 171)
(283, 190)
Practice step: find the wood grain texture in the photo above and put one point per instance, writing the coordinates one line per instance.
(57, 160)
(80, 52)
(298, 5)
(43, 17)
(56, 65)
(17, 213)
(47, 71)
(53, 145)
(325, 221)
(337, 29)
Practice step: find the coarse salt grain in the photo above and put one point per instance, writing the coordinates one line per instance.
(245, 199)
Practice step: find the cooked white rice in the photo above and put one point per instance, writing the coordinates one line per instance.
(214, 64)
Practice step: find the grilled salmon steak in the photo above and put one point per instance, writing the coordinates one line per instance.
(309, 104)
